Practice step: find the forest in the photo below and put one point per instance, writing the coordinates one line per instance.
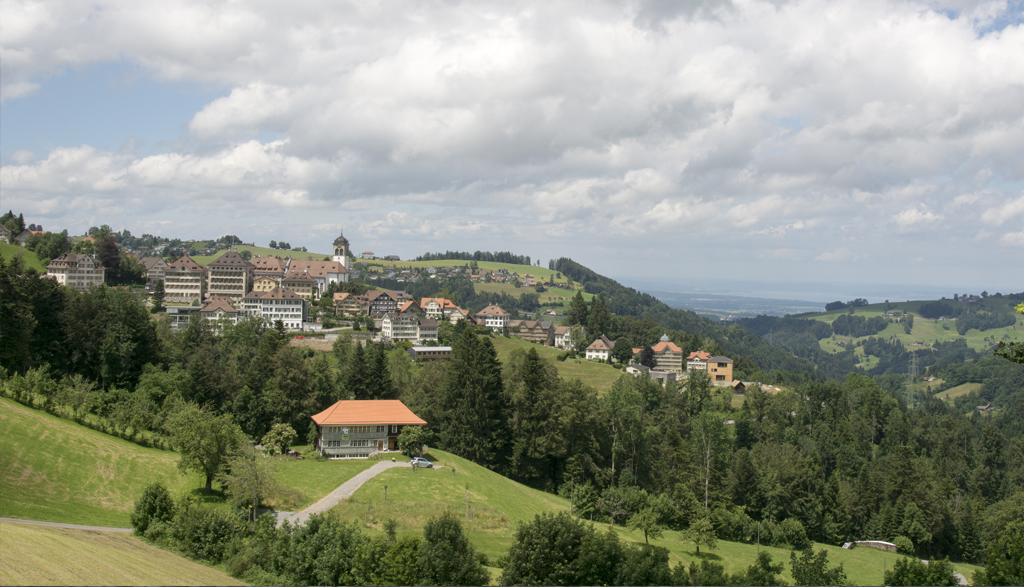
(832, 459)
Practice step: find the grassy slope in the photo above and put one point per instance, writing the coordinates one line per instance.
(498, 504)
(598, 375)
(9, 251)
(264, 252)
(955, 392)
(929, 331)
(309, 479)
(36, 555)
(58, 471)
(542, 273)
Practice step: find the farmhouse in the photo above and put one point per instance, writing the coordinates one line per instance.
(354, 429)
(600, 349)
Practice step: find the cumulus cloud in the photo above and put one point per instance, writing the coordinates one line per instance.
(758, 120)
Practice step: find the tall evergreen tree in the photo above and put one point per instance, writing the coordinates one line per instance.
(530, 391)
(355, 374)
(577, 311)
(471, 405)
(598, 318)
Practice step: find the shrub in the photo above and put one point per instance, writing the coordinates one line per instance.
(205, 533)
(904, 545)
(154, 505)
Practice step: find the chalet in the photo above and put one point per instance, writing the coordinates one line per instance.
(438, 308)
(382, 302)
(539, 331)
(493, 317)
(600, 349)
(422, 354)
(563, 335)
(351, 304)
(352, 429)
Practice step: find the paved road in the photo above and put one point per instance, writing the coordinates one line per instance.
(344, 491)
(68, 526)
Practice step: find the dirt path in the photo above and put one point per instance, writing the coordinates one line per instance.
(68, 526)
(344, 491)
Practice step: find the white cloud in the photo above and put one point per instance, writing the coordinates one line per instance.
(570, 120)
(1012, 239)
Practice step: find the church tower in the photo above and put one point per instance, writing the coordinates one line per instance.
(341, 251)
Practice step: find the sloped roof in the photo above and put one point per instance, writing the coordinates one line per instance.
(341, 240)
(493, 310)
(150, 262)
(317, 268)
(720, 359)
(367, 412)
(185, 262)
(699, 355)
(661, 346)
(230, 259)
(214, 305)
(280, 293)
(602, 343)
(445, 303)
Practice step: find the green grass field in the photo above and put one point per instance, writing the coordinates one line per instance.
(308, 480)
(960, 390)
(264, 252)
(35, 555)
(55, 470)
(9, 251)
(542, 273)
(599, 375)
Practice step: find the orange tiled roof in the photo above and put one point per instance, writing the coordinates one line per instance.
(367, 411)
(699, 355)
(661, 346)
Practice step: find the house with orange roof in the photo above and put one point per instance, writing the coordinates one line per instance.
(667, 356)
(438, 308)
(351, 304)
(354, 429)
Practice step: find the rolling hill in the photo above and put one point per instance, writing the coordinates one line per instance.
(9, 251)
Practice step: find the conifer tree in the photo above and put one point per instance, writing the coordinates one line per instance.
(598, 318)
(577, 311)
(471, 402)
(355, 381)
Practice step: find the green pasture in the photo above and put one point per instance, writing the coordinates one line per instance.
(541, 273)
(960, 390)
(58, 471)
(264, 252)
(9, 251)
(598, 375)
(35, 555)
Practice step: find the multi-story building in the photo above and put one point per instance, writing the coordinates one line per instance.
(438, 308)
(494, 317)
(79, 271)
(184, 281)
(351, 304)
(423, 354)
(718, 368)
(229, 275)
(382, 302)
(300, 283)
(667, 356)
(265, 283)
(218, 310)
(274, 267)
(539, 331)
(564, 335)
(323, 273)
(155, 267)
(358, 428)
(285, 305)
(600, 349)
(407, 326)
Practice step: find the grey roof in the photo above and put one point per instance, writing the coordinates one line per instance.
(720, 359)
(229, 259)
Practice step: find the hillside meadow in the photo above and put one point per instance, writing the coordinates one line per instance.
(36, 555)
(601, 376)
(31, 260)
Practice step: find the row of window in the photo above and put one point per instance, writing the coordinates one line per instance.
(346, 443)
(359, 429)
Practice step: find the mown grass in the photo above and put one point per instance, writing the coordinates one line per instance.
(55, 470)
(598, 375)
(307, 480)
(264, 252)
(31, 260)
(960, 390)
(35, 555)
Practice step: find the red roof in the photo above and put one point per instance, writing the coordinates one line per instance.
(701, 355)
(367, 411)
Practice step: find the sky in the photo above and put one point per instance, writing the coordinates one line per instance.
(852, 142)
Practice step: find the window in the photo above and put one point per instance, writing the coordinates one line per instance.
(394, 428)
(380, 429)
(719, 377)
(359, 443)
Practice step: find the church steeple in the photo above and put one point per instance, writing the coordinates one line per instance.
(341, 250)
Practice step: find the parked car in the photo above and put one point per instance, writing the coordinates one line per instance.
(421, 462)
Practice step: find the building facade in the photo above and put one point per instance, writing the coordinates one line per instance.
(155, 267)
(184, 281)
(409, 327)
(285, 305)
(78, 271)
(229, 275)
(342, 252)
(494, 317)
(359, 428)
(600, 349)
